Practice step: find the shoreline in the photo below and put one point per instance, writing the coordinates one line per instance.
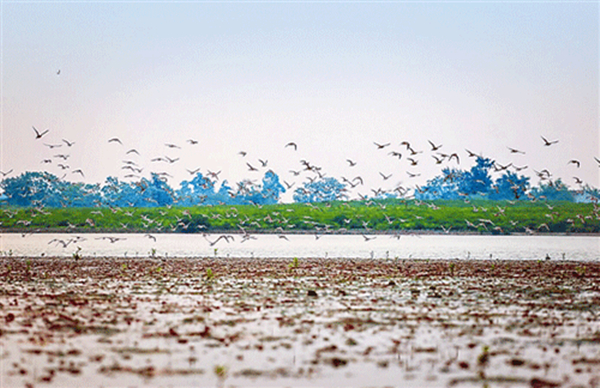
(354, 232)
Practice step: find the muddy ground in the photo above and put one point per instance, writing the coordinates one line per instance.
(204, 322)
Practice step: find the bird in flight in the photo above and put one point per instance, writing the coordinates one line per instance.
(58, 72)
(385, 177)
(68, 143)
(6, 173)
(53, 145)
(433, 146)
(353, 163)
(548, 143)
(115, 140)
(192, 141)
(575, 162)
(39, 135)
(292, 144)
(515, 151)
(380, 146)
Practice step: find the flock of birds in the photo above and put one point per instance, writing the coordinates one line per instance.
(58, 159)
(306, 170)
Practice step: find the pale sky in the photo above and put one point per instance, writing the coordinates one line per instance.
(333, 77)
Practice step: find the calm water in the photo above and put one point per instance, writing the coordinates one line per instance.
(346, 246)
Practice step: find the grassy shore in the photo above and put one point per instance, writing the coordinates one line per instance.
(298, 323)
(487, 217)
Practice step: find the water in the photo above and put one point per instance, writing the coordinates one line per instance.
(302, 246)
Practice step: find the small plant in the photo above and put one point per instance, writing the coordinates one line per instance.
(76, 254)
(209, 274)
(153, 253)
(220, 371)
(451, 268)
(294, 264)
(215, 251)
(484, 357)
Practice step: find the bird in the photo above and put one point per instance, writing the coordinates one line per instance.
(454, 155)
(433, 146)
(250, 167)
(172, 145)
(38, 135)
(78, 171)
(6, 173)
(192, 172)
(396, 153)
(471, 154)
(58, 72)
(151, 237)
(380, 146)
(353, 163)
(132, 151)
(51, 146)
(68, 143)
(223, 236)
(263, 162)
(515, 151)
(575, 162)
(243, 153)
(597, 160)
(115, 140)
(385, 177)
(192, 141)
(548, 143)
(292, 144)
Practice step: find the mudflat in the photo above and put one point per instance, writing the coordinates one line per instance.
(118, 322)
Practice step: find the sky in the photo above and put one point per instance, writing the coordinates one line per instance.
(333, 77)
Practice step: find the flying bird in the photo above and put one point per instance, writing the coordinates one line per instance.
(132, 151)
(575, 162)
(433, 146)
(51, 146)
(68, 143)
(380, 146)
(292, 144)
(39, 135)
(6, 173)
(352, 163)
(548, 143)
(115, 140)
(78, 171)
(192, 141)
(515, 151)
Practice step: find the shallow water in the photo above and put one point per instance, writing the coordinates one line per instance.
(303, 246)
(122, 322)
